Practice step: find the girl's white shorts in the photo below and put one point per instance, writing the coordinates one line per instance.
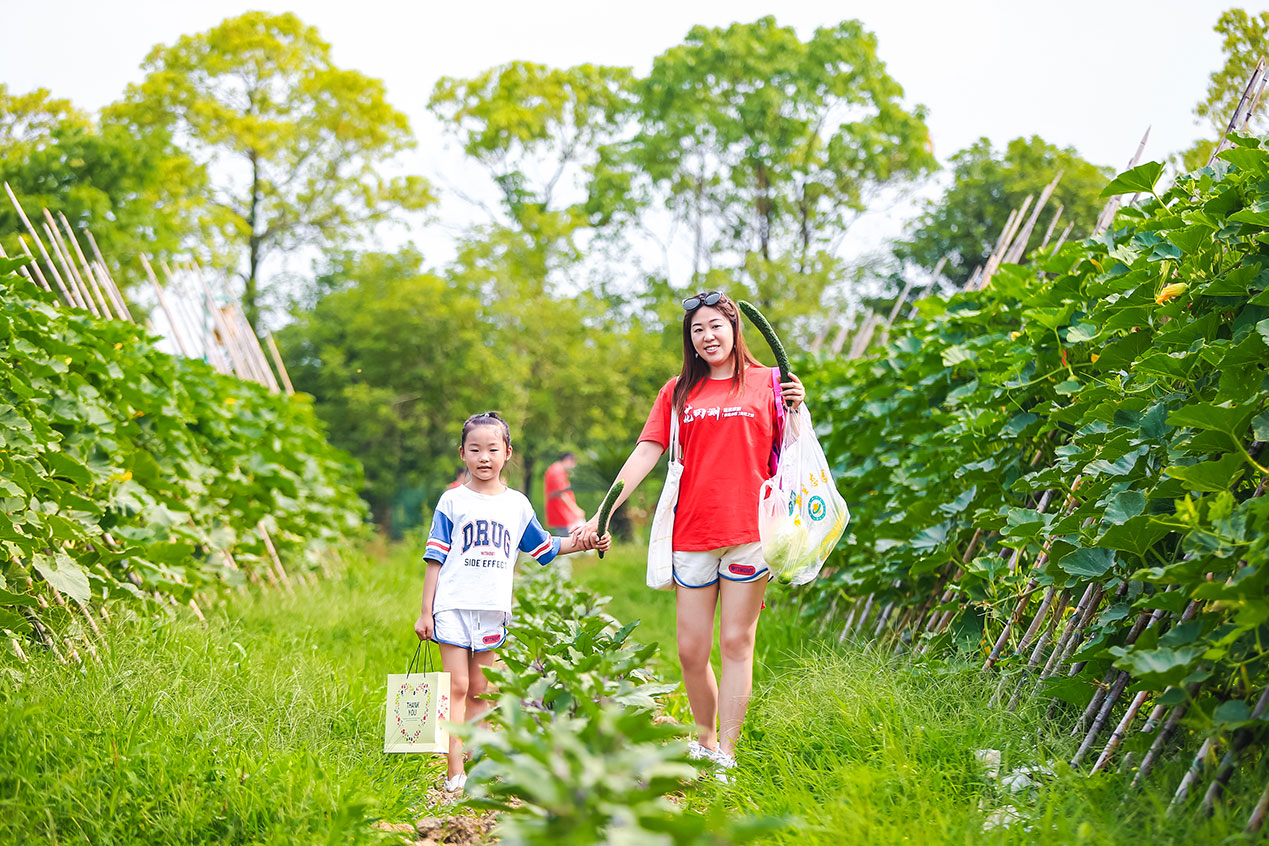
(741, 563)
(478, 631)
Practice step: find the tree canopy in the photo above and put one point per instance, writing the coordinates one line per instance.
(964, 223)
(293, 146)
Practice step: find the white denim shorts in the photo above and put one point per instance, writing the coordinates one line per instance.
(741, 563)
(478, 631)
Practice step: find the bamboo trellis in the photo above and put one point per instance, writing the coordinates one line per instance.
(232, 347)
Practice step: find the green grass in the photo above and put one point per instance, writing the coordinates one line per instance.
(265, 726)
(861, 746)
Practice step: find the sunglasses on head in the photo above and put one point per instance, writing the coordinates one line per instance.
(709, 298)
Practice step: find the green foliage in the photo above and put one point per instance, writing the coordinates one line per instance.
(264, 725)
(128, 185)
(126, 473)
(397, 358)
(986, 186)
(294, 145)
(576, 757)
(1126, 376)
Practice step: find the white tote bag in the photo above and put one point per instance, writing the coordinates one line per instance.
(661, 543)
(417, 711)
(801, 516)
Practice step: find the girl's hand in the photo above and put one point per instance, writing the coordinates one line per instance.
(793, 392)
(603, 543)
(424, 627)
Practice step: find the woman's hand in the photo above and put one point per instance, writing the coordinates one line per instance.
(424, 627)
(793, 392)
(604, 543)
(586, 536)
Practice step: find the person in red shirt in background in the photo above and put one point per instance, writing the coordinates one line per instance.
(728, 424)
(562, 510)
(460, 479)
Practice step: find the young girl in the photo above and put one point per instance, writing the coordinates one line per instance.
(477, 532)
(726, 405)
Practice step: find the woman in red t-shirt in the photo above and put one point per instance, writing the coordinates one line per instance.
(727, 426)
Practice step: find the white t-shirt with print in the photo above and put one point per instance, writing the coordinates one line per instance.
(477, 538)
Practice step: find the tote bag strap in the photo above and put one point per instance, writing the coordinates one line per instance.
(676, 449)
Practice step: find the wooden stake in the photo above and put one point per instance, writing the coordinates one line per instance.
(167, 310)
(1242, 739)
(1048, 233)
(1242, 112)
(111, 288)
(273, 553)
(1019, 247)
(25, 271)
(87, 268)
(31, 229)
(277, 360)
(1112, 205)
(63, 256)
(1257, 817)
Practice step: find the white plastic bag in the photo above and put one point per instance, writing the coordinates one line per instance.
(801, 516)
(661, 543)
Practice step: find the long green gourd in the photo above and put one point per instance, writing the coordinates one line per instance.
(605, 508)
(773, 340)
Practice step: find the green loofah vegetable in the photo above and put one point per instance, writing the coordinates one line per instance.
(773, 340)
(605, 508)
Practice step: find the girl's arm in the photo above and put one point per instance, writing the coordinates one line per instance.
(637, 467)
(424, 626)
(570, 544)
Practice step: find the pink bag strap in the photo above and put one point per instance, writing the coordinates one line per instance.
(779, 397)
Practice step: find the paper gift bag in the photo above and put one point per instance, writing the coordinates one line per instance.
(417, 711)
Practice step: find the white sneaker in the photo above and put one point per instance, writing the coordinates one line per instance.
(696, 752)
(455, 784)
(722, 763)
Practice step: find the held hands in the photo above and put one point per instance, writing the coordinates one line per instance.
(793, 392)
(424, 627)
(586, 536)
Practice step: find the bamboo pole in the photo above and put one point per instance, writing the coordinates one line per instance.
(222, 330)
(253, 344)
(111, 287)
(1163, 737)
(1112, 205)
(1019, 247)
(62, 253)
(31, 229)
(1048, 233)
(87, 268)
(167, 310)
(1192, 774)
(994, 260)
(1242, 739)
(840, 340)
(820, 335)
(25, 271)
(277, 360)
(35, 266)
(1242, 111)
(1257, 817)
(273, 554)
(188, 324)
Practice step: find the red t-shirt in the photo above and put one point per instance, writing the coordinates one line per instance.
(562, 510)
(726, 440)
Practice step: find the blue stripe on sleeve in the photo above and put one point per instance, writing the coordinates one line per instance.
(538, 543)
(439, 538)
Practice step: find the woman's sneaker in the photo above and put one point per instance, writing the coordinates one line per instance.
(455, 784)
(723, 763)
(696, 752)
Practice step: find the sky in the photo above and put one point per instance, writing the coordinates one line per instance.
(1092, 75)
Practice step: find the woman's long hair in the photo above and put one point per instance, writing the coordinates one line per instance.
(695, 370)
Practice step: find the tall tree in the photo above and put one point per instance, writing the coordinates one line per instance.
(986, 186)
(766, 147)
(1244, 41)
(294, 146)
(128, 185)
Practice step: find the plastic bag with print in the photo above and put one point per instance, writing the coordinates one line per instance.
(801, 516)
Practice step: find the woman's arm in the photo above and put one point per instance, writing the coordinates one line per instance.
(637, 467)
